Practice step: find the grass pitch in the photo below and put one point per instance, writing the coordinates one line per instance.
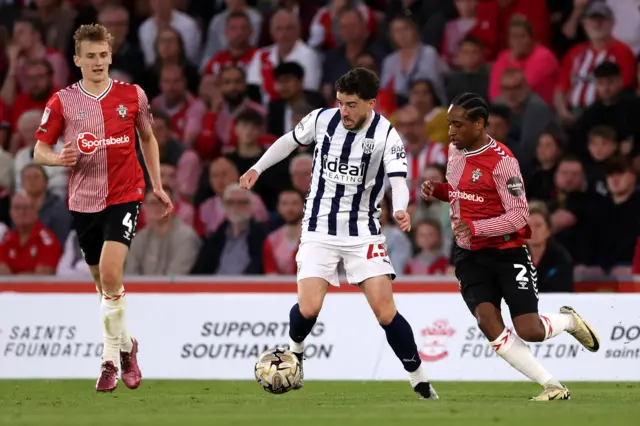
(218, 403)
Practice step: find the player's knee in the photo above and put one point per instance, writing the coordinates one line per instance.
(489, 324)
(530, 331)
(310, 307)
(384, 310)
(110, 279)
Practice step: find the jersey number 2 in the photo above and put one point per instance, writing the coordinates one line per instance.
(376, 250)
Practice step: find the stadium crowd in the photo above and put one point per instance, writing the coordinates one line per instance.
(227, 77)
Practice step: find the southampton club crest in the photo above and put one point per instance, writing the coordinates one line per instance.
(122, 111)
(475, 175)
(367, 146)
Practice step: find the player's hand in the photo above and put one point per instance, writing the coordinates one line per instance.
(68, 156)
(461, 230)
(249, 179)
(165, 200)
(403, 219)
(426, 190)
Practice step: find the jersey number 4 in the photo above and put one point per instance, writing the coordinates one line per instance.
(128, 223)
(376, 250)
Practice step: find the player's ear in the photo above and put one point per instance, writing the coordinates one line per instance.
(372, 103)
(76, 61)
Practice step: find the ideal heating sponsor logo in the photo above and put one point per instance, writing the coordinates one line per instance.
(343, 173)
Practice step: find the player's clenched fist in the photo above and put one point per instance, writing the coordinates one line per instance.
(403, 219)
(248, 179)
(426, 190)
(68, 156)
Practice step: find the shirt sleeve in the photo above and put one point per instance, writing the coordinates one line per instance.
(305, 132)
(52, 122)
(510, 187)
(144, 118)
(395, 158)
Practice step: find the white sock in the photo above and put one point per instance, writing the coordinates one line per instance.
(418, 376)
(516, 352)
(126, 345)
(296, 347)
(555, 324)
(112, 308)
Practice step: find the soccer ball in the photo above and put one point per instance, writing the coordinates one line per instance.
(278, 370)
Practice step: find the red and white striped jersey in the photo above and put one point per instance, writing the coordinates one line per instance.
(224, 59)
(576, 78)
(485, 190)
(103, 131)
(431, 153)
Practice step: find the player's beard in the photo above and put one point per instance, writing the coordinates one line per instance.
(357, 125)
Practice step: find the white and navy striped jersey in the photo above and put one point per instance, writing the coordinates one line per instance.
(348, 174)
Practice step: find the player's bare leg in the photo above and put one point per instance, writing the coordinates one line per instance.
(303, 315)
(116, 339)
(399, 333)
(511, 347)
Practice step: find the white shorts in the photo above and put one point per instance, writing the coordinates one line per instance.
(320, 260)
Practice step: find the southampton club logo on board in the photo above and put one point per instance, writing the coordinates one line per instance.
(435, 337)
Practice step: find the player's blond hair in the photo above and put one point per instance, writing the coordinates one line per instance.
(91, 32)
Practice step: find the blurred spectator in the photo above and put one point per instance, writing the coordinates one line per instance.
(627, 24)
(615, 219)
(186, 111)
(225, 102)
(475, 19)
(540, 184)
(174, 153)
(6, 171)
(239, 50)
(325, 33)
(386, 100)
(37, 90)
(5, 126)
(52, 210)
(236, 247)
(304, 12)
(434, 209)
(57, 176)
(538, 63)
(576, 85)
(569, 206)
(535, 12)
(126, 56)
(529, 116)
(166, 246)
(27, 46)
(398, 244)
(281, 245)
(164, 15)
(222, 174)
(300, 170)
(289, 78)
(603, 144)
(552, 261)
(57, 22)
(287, 47)
(498, 123)
(472, 72)
(356, 40)
(219, 27)
(249, 127)
(614, 107)
(420, 151)
(72, 262)
(566, 23)
(30, 248)
(183, 206)
(429, 259)
(422, 97)
(169, 50)
(411, 61)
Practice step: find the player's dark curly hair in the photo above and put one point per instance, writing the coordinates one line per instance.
(360, 82)
(476, 107)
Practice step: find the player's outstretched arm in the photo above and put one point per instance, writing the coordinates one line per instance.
(151, 154)
(400, 201)
(44, 154)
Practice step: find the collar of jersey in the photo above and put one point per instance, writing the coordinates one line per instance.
(491, 143)
(92, 96)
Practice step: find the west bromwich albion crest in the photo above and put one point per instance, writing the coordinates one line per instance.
(122, 110)
(475, 175)
(367, 145)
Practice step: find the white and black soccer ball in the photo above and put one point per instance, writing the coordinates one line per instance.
(278, 370)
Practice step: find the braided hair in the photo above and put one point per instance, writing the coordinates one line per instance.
(476, 107)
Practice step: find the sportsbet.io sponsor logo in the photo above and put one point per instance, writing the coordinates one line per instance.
(461, 195)
(241, 340)
(343, 173)
(88, 143)
(626, 342)
(46, 341)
